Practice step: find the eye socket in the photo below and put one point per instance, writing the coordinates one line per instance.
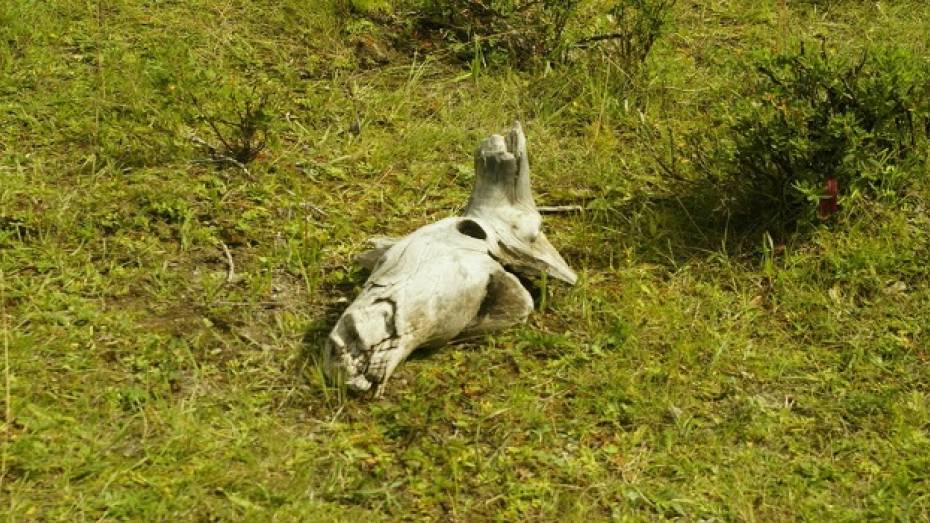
(471, 228)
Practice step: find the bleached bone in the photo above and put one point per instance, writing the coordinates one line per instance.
(429, 287)
(379, 245)
(449, 278)
(503, 198)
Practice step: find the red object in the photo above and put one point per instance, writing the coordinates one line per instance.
(829, 202)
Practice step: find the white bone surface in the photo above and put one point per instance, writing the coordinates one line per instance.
(450, 278)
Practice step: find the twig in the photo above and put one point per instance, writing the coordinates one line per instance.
(215, 156)
(230, 276)
(235, 162)
(586, 42)
(266, 304)
(555, 209)
(203, 143)
(320, 213)
(231, 269)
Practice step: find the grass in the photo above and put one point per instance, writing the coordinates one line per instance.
(691, 373)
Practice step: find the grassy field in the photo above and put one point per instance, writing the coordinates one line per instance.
(698, 370)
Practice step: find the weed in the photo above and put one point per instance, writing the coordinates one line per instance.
(526, 32)
(244, 135)
(631, 29)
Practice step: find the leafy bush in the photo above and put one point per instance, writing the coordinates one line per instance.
(816, 120)
(523, 32)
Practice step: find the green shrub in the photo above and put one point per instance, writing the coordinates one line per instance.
(816, 116)
(524, 32)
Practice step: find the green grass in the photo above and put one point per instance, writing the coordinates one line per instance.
(691, 373)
